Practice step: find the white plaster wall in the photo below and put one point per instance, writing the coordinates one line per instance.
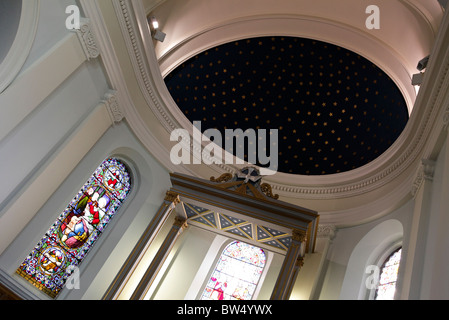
(54, 132)
(194, 257)
(435, 276)
(9, 23)
(106, 257)
(33, 141)
(51, 28)
(354, 248)
(188, 255)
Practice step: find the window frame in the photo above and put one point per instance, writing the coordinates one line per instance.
(381, 260)
(84, 262)
(211, 264)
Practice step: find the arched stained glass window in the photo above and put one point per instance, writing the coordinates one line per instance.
(78, 227)
(236, 274)
(388, 277)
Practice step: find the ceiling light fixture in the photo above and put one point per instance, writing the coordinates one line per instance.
(157, 34)
(422, 64)
(417, 79)
(154, 23)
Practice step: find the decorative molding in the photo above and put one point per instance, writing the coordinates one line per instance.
(299, 262)
(267, 190)
(180, 223)
(403, 156)
(424, 173)
(326, 231)
(445, 117)
(230, 225)
(223, 178)
(172, 197)
(23, 42)
(246, 181)
(378, 175)
(299, 235)
(114, 71)
(87, 39)
(111, 102)
(140, 55)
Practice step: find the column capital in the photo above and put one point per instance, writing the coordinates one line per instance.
(180, 222)
(299, 262)
(299, 235)
(172, 197)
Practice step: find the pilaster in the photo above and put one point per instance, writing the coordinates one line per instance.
(409, 280)
(168, 205)
(148, 278)
(293, 262)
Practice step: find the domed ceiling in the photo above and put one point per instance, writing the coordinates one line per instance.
(334, 110)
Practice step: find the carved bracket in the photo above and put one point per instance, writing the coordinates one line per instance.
(87, 39)
(115, 112)
(425, 172)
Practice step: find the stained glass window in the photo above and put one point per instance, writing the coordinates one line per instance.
(236, 274)
(388, 277)
(77, 228)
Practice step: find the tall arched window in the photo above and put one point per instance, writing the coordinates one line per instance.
(388, 276)
(236, 274)
(78, 227)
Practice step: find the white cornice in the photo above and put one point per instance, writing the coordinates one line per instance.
(378, 173)
(395, 167)
(119, 87)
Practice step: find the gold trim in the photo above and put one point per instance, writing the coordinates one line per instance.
(299, 235)
(280, 204)
(241, 201)
(266, 188)
(299, 262)
(236, 209)
(180, 222)
(37, 284)
(223, 178)
(255, 191)
(135, 256)
(172, 197)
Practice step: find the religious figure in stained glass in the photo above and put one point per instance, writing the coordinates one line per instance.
(388, 277)
(73, 234)
(236, 274)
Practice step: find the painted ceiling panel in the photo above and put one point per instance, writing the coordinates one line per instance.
(236, 226)
(334, 110)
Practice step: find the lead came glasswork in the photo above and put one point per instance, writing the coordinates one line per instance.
(73, 234)
(388, 277)
(236, 274)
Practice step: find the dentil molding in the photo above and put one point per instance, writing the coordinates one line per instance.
(404, 153)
